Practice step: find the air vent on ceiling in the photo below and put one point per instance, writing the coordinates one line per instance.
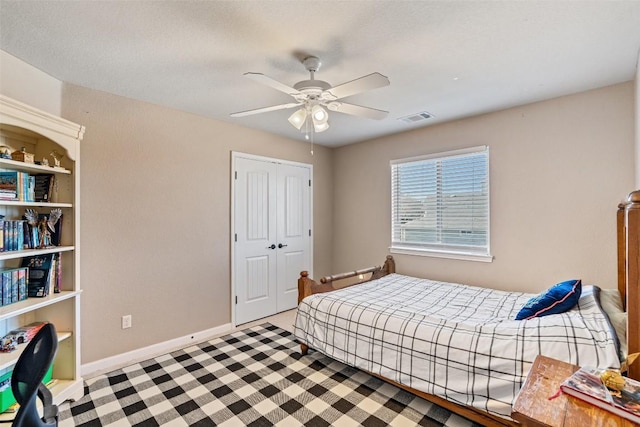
(413, 118)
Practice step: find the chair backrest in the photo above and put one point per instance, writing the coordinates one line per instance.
(29, 371)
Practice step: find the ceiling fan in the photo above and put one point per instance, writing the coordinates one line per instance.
(313, 96)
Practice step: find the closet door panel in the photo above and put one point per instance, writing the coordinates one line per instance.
(293, 231)
(255, 238)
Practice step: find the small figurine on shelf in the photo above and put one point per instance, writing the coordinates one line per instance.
(5, 152)
(56, 158)
(43, 232)
(45, 225)
(38, 224)
(44, 162)
(8, 344)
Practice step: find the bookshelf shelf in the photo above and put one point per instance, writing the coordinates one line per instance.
(31, 252)
(31, 304)
(35, 204)
(27, 167)
(7, 360)
(46, 135)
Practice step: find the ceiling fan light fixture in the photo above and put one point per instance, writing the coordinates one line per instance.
(320, 115)
(320, 127)
(298, 118)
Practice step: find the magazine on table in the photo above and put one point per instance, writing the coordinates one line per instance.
(586, 384)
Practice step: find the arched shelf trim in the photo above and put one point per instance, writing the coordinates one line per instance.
(58, 130)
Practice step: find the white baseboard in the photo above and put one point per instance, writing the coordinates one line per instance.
(92, 369)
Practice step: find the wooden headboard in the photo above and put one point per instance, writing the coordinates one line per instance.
(629, 271)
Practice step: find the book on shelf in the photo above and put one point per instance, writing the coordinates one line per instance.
(23, 290)
(55, 235)
(39, 276)
(27, 235)
(56, 274)
(57, 285)
(9, 182)
(8, 194)
(43, 187)
(585, 384)
(14, 285)
(5, 287)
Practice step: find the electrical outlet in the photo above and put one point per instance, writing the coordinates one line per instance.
(126, 321)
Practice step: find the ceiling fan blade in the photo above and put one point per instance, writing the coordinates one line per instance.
(261, 78)
(265, 109)
(357, 110)
(368, 82)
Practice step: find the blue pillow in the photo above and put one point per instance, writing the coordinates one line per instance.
(557, 299)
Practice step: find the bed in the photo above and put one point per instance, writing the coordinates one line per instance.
(459, 346)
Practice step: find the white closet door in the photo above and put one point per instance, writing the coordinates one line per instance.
(255, 235)
(272, 243)
(293, 232)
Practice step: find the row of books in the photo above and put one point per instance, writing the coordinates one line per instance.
(39, 276)
(18, 234)
(21, 186)
(13, 285)
(15, 185)
(13, 235)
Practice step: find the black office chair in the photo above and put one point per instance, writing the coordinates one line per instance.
(26, 380)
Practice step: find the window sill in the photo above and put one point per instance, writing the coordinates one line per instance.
(464, 256)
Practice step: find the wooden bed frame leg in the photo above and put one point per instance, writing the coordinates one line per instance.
(304, 349)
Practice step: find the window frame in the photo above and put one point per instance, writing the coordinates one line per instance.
(440, 250)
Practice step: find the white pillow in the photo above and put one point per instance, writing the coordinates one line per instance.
(612, 304)
(611, 301)
(619, 322)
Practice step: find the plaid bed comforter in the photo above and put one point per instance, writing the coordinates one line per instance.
(454, 341)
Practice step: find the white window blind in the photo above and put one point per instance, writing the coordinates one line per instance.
(440, 203)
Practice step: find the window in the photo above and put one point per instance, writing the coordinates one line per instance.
(440, 204)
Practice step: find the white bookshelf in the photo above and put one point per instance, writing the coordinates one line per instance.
(41, 133)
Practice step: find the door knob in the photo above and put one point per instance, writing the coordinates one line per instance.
(273, 246)
(280, 245)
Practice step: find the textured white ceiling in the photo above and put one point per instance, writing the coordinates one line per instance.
(450, 58)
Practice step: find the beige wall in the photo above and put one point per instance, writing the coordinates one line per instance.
(155, 217)
(27, 84)
(558, 170)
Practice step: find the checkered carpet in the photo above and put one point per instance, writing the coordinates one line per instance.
(254, 377)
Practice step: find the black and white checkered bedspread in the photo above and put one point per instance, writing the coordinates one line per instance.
(454, 341)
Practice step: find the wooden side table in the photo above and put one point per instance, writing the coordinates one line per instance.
(533, 408)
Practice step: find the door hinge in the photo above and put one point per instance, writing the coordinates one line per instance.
(309, 232)
(236, 237)
(236, 173)
(309, 183)
(236, 299)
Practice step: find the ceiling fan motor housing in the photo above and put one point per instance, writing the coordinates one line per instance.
(312, 85)
(312, 63)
